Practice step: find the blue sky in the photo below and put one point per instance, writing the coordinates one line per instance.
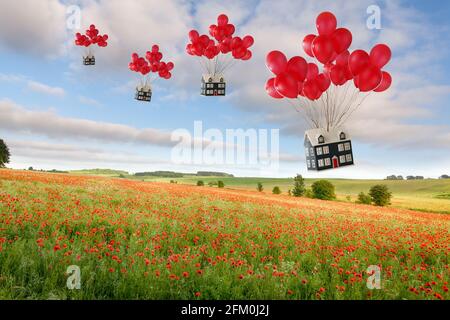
(56, 113)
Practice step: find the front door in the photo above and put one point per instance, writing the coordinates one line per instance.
(335, 162)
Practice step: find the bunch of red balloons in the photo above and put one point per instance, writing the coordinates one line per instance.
(151, 63)
(91, 37)
(203, 45)
(296, 77)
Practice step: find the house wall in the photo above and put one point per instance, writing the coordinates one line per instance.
(334, 151)
(310, 156)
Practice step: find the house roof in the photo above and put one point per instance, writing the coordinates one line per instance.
(215, 78)
(147, 87)
(331, 136)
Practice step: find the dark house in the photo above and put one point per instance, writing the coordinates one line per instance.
(143, 93)
(213, 85)
(328, 149)
(89, 60)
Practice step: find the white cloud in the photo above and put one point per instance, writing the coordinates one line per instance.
(46, 89)
(89, 101)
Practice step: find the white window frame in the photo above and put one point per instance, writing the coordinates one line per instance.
(342, 159)
(327, 162)
(341, 147)
(319, 151)
(349, 157)
(320, 163)
(311, 152)
(313, 164)
(307, 152)
(347, 146)
(326, 149)
(308, 162)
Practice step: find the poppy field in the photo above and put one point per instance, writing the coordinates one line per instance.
(150, 240)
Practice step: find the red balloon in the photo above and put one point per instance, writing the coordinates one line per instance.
(193, 35)
(298, 68)
(236, 43)
(337, 75)
(356, 81)
(385, 82)
(286, 85)
(323, 82)
(229, 30)
(270, 89)
(307, 44)
(222, 20)
(311, 90)
(380, 55)
(342, 39)
(358, 61)
(322, 48)
(342, 59)
(327, 68)
(313, 71)
(248, 41)
(300, 88)
(326, 23)
(212, 30)
(347, 72)
(369, 78)
(248, 55)
(170, 66)
(276, 61)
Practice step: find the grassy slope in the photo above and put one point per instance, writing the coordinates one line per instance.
(418, 195)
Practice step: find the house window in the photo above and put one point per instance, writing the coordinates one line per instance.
(319, 151)
(309, 163)
(321, 139)
(320, 162)
(221, 79)
(327, 162)
(342, 159)
(326, 150)
(347, 146)
(349, 158)
(311, 152)
(307, 152)
(342, 136)
(341, 147)
(313, 164)
(210, 80)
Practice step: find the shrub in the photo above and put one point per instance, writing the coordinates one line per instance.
(324, 190)
(276, 190)
(212, 183)
(364, 198)
(309, 193)
(259, 187)
(200, 183)
(220, 184)
(299, 186)
(380, 194)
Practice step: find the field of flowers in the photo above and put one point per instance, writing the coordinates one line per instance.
(140, 240)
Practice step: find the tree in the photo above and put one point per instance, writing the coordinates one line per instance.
(276, 190)
(4, 154)
(260, 187)
(364, 198)
(323, 189)
(220, 184)
(30, 169)
(444, 176)
(200, 183)
(299, 186)
(380, 194)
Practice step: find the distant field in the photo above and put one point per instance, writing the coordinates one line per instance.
(424, 195)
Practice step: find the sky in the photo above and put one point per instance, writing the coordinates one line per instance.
(56, 113)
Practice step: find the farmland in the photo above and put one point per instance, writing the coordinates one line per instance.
(432, 195)
(153, 240)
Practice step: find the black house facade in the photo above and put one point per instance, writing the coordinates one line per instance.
(89, 60)
(213, 85)
(327, 149)
(143, 93)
